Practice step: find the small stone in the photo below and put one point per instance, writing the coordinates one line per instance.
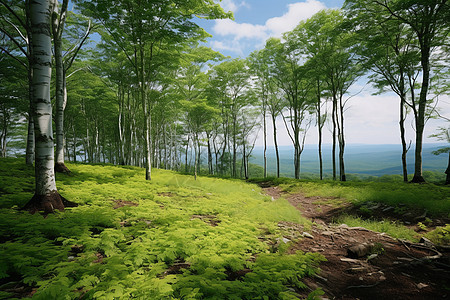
(359, 250)
(343, 226)
(421, 286)
(372, 256)
(350, 260)
(71, 258)
(307, 235)
(382, 278)
(361, 278)
(327, 233)
(375, 206)
(358, 228)
(285, 240)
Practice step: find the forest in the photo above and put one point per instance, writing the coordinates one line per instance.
(132, 144)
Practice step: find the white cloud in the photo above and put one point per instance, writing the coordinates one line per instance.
(230, 5)
(296, 12)
(273, 27)
(239, 30)
(232, 47)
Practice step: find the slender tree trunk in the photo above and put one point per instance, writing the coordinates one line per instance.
(265, 138)
(234, 171)
(46, 197)
(29, 154)
(4, 133)
(447, 178)
(186, 157)
(275, 141)
(403, 138)
(333, 151)
(195, 156)
(341, 141)
(210, 159)
(319, 125)
(60, 82)
(420, 120)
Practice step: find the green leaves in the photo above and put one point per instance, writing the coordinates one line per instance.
(186, 238)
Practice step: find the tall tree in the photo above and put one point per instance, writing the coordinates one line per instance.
(292, 79)
(310, 41)
(428, 19)
(140, 28)
(340, 70)
(387, 47)
(229, 87)
(62, 65)
(46, 197)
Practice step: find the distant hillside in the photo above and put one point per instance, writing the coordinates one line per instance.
(373, 160)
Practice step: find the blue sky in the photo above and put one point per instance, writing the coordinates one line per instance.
(256, 20)
(369, 119)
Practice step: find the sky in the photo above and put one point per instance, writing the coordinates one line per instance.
(369, 119)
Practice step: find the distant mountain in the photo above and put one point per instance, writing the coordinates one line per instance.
(374, 160)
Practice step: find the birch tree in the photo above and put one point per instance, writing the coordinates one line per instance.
(62, 64)
(46, 197)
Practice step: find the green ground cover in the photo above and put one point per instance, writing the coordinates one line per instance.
(433, 198)
(171, 238)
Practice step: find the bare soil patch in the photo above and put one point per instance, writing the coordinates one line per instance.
(387, 269)
(121, 203)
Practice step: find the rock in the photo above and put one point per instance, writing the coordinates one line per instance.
(307, 235)
(360, 250)
(350, 260)
(382, 278)
(285, 240)
(372, 256)
(327, 233)
(421, 286)
(358, 228)
(317, 250)
(377, 206)
(71, 258)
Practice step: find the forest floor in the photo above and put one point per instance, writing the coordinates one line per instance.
(364, 264)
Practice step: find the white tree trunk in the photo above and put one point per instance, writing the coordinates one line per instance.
(46, 196)
(42, 69)
(60, 82)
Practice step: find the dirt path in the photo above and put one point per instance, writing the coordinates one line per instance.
(362, 264)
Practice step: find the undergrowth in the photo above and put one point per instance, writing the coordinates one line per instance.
(393, 229)
(433, 198)
(170, 238)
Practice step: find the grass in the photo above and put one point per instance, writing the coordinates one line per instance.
(391, 228)
(434, 198)
(99, 251)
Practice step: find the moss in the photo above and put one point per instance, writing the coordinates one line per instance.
(98, 250)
